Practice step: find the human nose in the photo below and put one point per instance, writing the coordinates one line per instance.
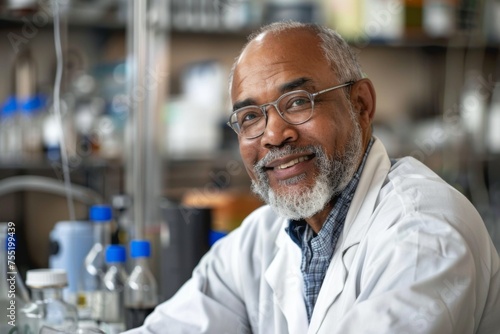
(277, 132)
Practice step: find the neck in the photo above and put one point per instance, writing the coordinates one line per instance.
(316, 222)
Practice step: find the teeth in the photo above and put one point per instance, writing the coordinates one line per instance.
(293, 162)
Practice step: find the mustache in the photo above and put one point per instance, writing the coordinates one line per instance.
(278, 153)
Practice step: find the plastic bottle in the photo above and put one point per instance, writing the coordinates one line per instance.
(90, 302)
(114, 286)
(141, 291)
(70, 242)
(47, 307)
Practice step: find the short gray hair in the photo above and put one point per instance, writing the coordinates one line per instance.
(338, 53)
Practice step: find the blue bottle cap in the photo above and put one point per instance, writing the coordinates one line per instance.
(213, 236)
(100, 213)
(33, 104)
(115, 253)
(9, 107)
(140, 248)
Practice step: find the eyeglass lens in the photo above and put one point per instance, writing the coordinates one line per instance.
(295, 108)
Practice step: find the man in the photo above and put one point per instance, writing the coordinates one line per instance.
(351, 242)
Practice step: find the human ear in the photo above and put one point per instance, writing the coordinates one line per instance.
(363, 100)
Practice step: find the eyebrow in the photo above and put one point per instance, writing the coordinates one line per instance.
(294, 84)
(244, 103)
(286, 87)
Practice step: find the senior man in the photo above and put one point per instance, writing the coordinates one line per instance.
(350, 241)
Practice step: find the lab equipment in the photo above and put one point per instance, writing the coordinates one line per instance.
(70, 242)
(113, 294)
(10, 134)
(84, 330)
(49, 185)
(47, 306)
(186, 232)
(31, 113)
(94, 266)
(141, 291)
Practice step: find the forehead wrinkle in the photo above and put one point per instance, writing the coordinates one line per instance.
(264, 82)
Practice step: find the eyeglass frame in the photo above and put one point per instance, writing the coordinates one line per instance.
(263, 107)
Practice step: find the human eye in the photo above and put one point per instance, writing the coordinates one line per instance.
(297, 103)
(249, 116)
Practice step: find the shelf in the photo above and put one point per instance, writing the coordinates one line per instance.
(43, 163)
(77, 17)
(111, 19)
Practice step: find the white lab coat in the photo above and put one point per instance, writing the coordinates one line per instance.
(414, 257)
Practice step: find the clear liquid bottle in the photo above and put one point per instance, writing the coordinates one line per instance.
(10, 130)
(47, 307)
(90, 300)
(31, 126)
(114, 288)
(141, 291)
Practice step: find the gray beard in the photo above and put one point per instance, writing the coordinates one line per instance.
(333, 176)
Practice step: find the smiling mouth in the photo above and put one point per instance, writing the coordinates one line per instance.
(289, 164)
(292, 163)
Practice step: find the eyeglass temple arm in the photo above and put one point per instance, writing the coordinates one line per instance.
(349, 83)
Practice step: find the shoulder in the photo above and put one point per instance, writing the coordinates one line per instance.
(415, 206)
(416, 188)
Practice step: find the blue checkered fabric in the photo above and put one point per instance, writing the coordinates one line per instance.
(317, 250)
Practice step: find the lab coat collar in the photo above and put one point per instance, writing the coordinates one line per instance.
(372, 179)
(283, 274)
(356, 224)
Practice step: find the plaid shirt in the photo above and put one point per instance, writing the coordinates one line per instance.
(317, 250)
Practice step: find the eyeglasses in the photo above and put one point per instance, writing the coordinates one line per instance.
(294, 107)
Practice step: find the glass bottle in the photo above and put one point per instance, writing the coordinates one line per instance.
(47, 307)
(90, 300)
(141, 291)
(114, 285)
(31, 126)
(10, 131)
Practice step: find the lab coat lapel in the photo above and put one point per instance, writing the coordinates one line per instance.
(285, 279)
(374, 173)
(363, 203)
